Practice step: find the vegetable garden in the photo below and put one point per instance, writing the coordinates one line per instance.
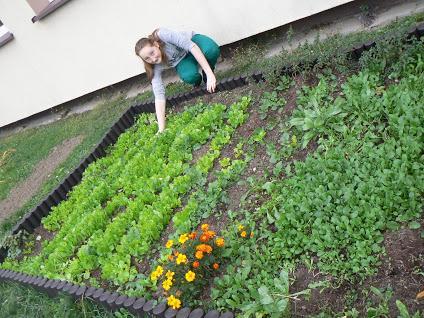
(262, 202)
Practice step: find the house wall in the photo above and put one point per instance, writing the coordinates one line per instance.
(87, 45)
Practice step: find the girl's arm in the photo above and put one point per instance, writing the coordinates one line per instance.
(160, 113)
(201, 59)
(159, 93)
(179, 40)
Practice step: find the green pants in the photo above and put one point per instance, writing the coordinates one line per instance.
(187, 68)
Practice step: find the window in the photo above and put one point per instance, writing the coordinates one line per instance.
(5, 35)
(42, 8)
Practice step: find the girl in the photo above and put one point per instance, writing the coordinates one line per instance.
(183, 50)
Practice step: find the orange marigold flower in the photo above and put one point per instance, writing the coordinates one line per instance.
(251, 234)
(205, 227)
(204, 238)
(204, 248)
(170, 258)
(211, 233)
(215, 265)
(199, 254)
(243, 234)
(176, 253)
(192, 235)
(196, 264)
(219, 242)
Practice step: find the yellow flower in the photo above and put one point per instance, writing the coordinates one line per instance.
(181, 258)
(219, 242)
(183, 238)
(154, 275)
(169, 274)
(159, 270)
(190, 276)
(243, 234)
(169, 243)
(173, 302)
(205, 227)
(167, 284)
(240, 227)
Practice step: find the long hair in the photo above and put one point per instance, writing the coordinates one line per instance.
(150, 41)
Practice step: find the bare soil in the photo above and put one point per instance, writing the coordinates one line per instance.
(42, 234)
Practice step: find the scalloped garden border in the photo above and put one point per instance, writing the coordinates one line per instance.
(113, 300)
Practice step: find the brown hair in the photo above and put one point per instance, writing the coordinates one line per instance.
(150, 41)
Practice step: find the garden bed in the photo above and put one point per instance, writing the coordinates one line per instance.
(310, 183)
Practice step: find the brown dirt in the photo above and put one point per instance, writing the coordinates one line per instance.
(198, 153)
(20, 194)
(260, 162)
(43, 235)
(303, 153)
(401, 269)
(255, 166)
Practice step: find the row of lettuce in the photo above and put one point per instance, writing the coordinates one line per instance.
(126, 198)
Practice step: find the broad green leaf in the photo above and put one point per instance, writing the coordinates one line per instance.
(265, 297)
(414, 225)
(402, 309)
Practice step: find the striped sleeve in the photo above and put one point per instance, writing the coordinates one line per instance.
(157, 83)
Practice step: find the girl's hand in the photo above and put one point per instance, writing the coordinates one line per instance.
(160, 131)
(211, 83)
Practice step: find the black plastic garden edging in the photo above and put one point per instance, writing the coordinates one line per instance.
(114, 300)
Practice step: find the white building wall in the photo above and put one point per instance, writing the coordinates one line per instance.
(87, 45)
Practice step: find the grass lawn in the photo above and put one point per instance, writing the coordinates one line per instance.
(25, 149)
